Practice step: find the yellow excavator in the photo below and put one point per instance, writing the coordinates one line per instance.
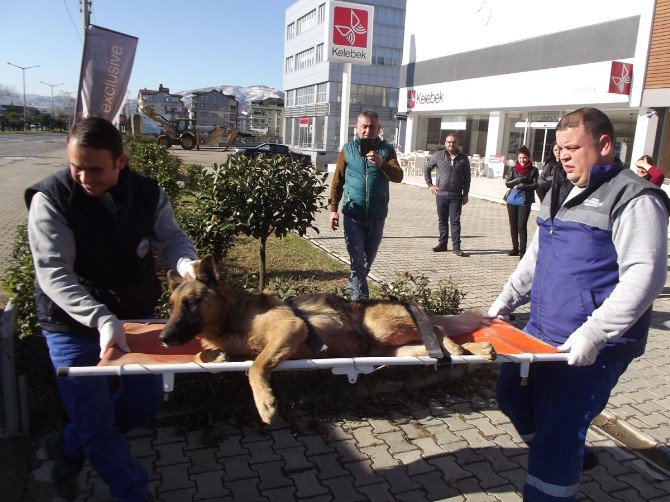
(186, 133)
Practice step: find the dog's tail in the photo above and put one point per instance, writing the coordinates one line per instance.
(461, 324)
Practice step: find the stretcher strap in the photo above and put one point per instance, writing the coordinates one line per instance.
(427, 332)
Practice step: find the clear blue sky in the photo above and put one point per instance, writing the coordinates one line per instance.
(182, 45)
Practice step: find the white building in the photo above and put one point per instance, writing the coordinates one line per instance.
(164, 103)
(313, 86)
(501, 74)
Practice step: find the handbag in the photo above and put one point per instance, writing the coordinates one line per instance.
(506, 194)
(516, 197)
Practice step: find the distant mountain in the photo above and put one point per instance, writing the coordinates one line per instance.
(42, 103)
(244, 95)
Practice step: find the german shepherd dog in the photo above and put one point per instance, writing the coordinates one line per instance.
(240, 325)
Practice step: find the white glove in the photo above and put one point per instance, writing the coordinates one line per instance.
(583, 351)
(112, 333)
(186, 266)
(499, 310)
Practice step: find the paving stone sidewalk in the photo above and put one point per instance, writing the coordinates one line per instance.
(454, 449)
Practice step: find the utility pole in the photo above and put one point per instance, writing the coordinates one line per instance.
(53, 112)
(86, 14)
(23, 70)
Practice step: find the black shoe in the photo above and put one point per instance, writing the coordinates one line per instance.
(65, 472)
(458, 252)
(440, 247)
(513, 252)
(590, 459)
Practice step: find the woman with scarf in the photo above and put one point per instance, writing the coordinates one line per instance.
(521, 182)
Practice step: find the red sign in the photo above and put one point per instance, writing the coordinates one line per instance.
(621, 76)
(411, 98)
(351, 27)
(304, 121)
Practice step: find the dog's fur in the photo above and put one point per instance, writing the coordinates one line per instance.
(245, 325)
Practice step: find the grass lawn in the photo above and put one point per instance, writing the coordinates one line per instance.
(292, 260)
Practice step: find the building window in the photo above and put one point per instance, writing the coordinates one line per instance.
(321, 93)
(290, 31)
(389, 16)
(289, 65)
(319, 53)
(290, 98)
(304, 59)
(322, 13)
(305, 95)
(386, 56)
(306, 22)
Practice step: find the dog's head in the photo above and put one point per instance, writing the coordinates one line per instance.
(194, 302)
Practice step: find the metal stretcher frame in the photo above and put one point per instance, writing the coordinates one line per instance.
(148, 356)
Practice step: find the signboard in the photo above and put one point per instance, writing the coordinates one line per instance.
(304, 121)
(621, 76)
(105, 70)
(349, 33)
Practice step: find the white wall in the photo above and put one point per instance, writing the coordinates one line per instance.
(443, 28)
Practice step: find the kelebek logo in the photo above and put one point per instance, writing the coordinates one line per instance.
(411, 98)
(350, 27)
(621, 75)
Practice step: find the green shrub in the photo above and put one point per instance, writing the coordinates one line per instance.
(19, 283)
(443, 300)
(173, 176)
(261, 197)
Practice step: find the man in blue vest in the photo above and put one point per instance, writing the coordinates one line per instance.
(92, 230)
(361, 181)
(591, 276)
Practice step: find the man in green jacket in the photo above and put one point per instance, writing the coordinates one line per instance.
(362, 180)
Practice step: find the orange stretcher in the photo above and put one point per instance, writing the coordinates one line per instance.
(148, 356)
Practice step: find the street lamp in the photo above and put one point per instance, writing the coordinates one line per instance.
(67, 105)
(53, 113)
(23, 70)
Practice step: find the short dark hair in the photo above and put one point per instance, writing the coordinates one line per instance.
(647, 158)
(523, 149)
(595, 122)
(372, 115)
(98, 133)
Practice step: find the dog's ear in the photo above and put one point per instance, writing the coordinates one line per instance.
(174, 279)
(207, 271)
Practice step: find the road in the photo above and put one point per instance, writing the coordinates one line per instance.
(24, 159)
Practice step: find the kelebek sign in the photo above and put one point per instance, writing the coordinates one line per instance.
(349, 33)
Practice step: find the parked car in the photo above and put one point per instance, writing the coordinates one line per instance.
(275, 149)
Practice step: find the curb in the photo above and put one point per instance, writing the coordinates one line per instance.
(650, 448)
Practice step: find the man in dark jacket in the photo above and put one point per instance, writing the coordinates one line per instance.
(92, 229)
(451, 191)
(361, 181)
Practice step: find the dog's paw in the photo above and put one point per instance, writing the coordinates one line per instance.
(487, 351)
(211, 356)
(267, 409)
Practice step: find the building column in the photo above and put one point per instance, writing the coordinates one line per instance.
(645, 137)
(494, 137)
(409, 145)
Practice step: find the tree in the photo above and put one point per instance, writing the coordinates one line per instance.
(267, 195)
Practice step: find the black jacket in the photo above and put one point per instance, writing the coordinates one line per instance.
(113, 250)
(450, 179)
(526, 183)
(547, 174)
